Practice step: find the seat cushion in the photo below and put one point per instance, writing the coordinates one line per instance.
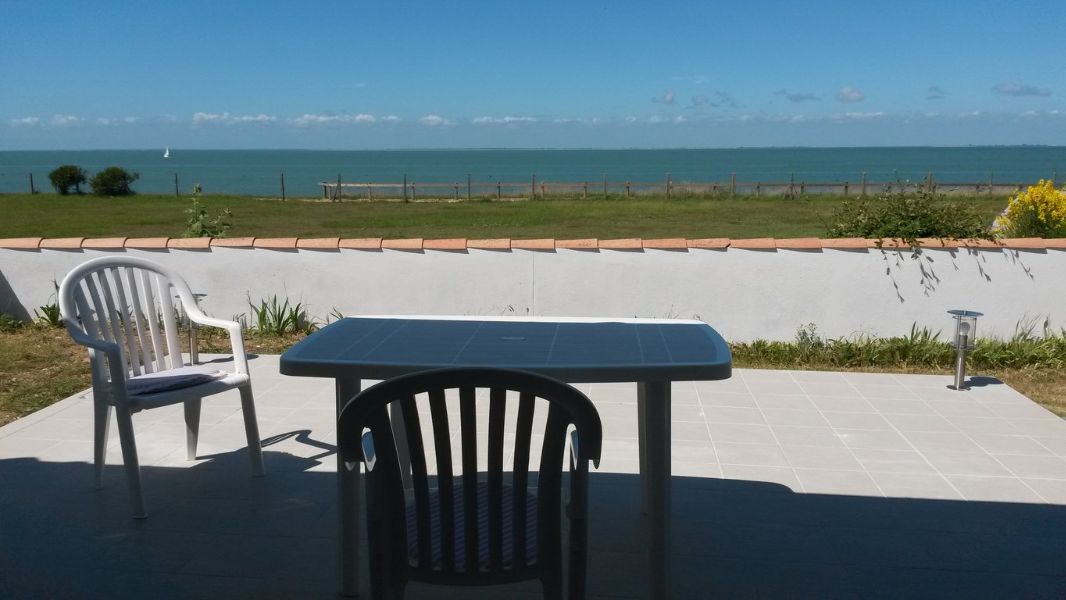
(173, 379)
(483, 528)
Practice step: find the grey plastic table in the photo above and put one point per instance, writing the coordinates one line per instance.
(650, 352)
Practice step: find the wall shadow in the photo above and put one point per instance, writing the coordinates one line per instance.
(213, 530)
(9, 304)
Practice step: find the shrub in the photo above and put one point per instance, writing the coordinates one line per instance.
(909, 216)
(9, 323)
(49, 315)
(1039, 211)
(113, 181)
(279, 317)
(65, 177)
(199, 224)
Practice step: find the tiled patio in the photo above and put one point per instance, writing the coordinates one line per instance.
(786, 484)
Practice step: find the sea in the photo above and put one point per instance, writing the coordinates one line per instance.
(260, 172)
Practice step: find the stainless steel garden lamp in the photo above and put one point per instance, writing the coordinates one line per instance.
(964, 341)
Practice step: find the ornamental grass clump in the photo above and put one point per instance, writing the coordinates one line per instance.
(1039, 211)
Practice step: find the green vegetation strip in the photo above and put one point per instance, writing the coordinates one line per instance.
(40, 365)
(646, 217)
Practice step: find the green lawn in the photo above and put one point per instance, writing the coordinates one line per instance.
(648, 217)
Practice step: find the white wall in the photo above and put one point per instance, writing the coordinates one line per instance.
(745, 294)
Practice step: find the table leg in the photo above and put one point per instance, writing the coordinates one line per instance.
(642, 460)
(350, 498)
(654, 397)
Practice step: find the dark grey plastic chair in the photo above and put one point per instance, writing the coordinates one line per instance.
(480, 530)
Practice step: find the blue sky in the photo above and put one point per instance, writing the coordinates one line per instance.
(365, 75)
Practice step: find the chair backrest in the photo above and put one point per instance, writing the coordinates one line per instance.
(127, 302)
(512, 399)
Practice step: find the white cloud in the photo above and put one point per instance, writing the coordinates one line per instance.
(850, 94)
(434, 121)
(391, 119)
(202, 118)
(313, 119)
(25, 121)
(130, 119)
(859, 116)
(64, 120)
(667, 98)
(501, 120)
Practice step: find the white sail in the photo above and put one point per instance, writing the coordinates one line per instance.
(166, 153)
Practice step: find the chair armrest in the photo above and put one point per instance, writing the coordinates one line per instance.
(236, 336)
(575, 450)
(370, 456)
(111, 350)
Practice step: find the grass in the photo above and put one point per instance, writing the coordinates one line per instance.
(647, 217)
(41, 365)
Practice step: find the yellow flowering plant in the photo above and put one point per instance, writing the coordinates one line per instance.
(1039, 211)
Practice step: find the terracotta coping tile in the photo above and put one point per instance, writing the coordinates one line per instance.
(491, 244)
(153, 242)
(111, 243)
(666, 244)
(62, 243)
(581, 244)
(275, 243)
(360, 243)
(712, 243)
(238, 242)
(537, 244)
(939, 243)
(754, 244)
(845, 243)
(1025, 243)
(981, 244)
(799, 244)
(888, 243)
(445, 244)
(26, 243)
(402, 244)
(196, 243)
(1056, 243)
(318, 243)
(622, 244)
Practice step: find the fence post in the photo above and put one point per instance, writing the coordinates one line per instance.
(283, 186)
(803, 188)
(340, 192)
(585, 191)
(929, 185)
(468, 186)
(733, 185)
(605, 186)
(792, 185)
(176, 192)
(668, 186)
(542, 195)
(499, 191)
(413, 191)
(405, 187)
(457, 191)
(533, 188)
(32, 191)
(863, 183)
(758, 189)
(845, 188)
(628, 195)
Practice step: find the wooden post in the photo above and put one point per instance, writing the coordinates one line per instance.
(340, 192)
(542, 196)
(803, 188)
(32, 191)
(929, 185)
(468, 186)
(456, 191)
(733, 185)
(863, 183)
(628, 194)
(585, 192)
(405, 187)
(758, 189)
(791, 185)
(668, 186)
(533, 188)
(413, 191)
(369, 191)
(845, 188)
(605, 186)
(176, 192)
(283, 186)
(499, 191)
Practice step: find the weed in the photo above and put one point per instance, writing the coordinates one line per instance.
(48, 315)
(281, 317)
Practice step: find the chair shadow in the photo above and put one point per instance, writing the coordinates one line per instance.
(214, 530)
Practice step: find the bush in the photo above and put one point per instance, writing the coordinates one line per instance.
(65, 177)
(199, 224)
(909, 216)
(1039, 211)
(113, 181)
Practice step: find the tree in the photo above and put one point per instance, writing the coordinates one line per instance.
(113, 181)
(65, 177)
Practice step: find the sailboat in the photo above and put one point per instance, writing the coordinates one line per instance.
(166, 153)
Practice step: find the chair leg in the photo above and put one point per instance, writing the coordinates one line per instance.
(129, 457)
(101, 426)
(251, 430)
(192, 426)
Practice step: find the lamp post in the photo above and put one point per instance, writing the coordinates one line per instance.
(964, 341)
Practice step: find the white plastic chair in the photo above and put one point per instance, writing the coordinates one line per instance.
(122, 310)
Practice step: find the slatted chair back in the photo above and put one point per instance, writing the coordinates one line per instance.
(128, 302)
(480, 527)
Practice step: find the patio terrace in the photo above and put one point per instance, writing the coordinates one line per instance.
(785, 484)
